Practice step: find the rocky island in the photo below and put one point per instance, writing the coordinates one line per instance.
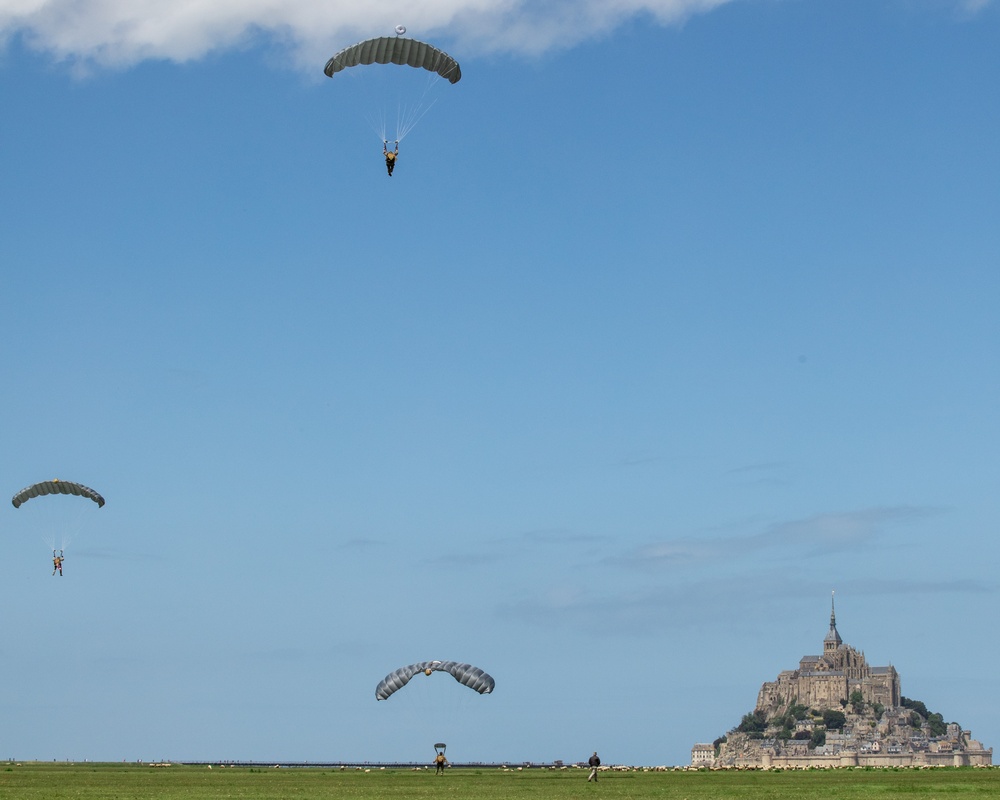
(836, 710)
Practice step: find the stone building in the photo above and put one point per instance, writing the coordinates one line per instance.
(829, 680)
(702, 755)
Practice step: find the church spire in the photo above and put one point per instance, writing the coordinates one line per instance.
(832, 640)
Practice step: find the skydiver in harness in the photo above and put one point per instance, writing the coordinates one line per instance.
(57, 561)
(390, 158)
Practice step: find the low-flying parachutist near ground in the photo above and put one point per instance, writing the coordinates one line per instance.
(466, 674)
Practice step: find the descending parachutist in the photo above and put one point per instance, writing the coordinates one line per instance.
(56, 487)
(399, 50)
(390, 157)
(466, 674)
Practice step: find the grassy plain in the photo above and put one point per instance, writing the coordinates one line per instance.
(55, 781)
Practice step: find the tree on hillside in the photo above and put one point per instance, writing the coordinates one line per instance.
(935, 722)
(937, 725)
(754, 722)
(834, 720)
(914, 705)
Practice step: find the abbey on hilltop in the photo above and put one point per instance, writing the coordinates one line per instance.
(835, 710)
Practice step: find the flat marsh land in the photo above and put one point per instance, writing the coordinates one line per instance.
(91, 781)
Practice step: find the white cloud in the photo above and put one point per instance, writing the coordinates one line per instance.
(119, 33)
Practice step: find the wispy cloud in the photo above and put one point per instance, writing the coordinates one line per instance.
(757, 469)
(815, 535)
(719, 573)
(770, 473)
(638, 458)
(123, 32)
(975, 6)
(112, 554)
(516, 546)
(558, 536)
(716, 600)
(364, 543)
(465, 561)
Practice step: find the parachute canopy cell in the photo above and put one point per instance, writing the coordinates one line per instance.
(56, 487)
(396, 50)
(466, 674)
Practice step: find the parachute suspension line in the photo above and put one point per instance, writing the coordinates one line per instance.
(405, 121)
(407, 118)
(61, 541)
(411, 120)
(69, 526)
(377, 123)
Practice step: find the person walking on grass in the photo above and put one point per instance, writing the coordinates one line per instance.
(594, 762)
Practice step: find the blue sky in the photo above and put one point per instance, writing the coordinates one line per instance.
(673, 318)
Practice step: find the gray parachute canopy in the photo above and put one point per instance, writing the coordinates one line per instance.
(56, 487)
(466, 674)
(396, 50)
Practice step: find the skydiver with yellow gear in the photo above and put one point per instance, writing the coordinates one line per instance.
(57, 562)
(390, 157)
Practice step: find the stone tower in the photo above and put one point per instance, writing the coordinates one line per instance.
(829, 680)
(832, 642)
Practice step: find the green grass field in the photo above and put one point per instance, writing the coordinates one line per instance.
(45, 781)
